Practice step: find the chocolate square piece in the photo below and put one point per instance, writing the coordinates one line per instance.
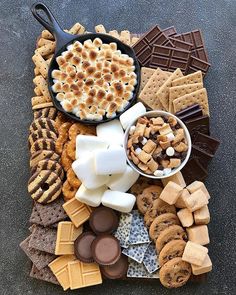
(197, 64)
(143, 48)
(203, 157)
(44, 274)
(199, 124)
(35, 217)
(40, 259)
(189, 113)
(193, 170)
(206, 143)
(43, 239)
(170, 31)
(52, 212)
(181, 44)
(169, 58)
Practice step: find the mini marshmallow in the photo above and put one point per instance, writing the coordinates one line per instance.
(90, 197)
(144, 141)
(111, 132)
(123, 182)
(170, 136)
(132, 129)
(88, 143)
(138, 151)
(167, 171)
(110, 161)
(170, 151)
(131, 114)
(119, 201)
(158, 173)
(84, 170)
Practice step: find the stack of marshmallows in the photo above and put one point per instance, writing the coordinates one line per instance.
(101, 164)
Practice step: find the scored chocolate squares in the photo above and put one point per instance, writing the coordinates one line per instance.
(199, 124)
(206, 143)
(193, 171)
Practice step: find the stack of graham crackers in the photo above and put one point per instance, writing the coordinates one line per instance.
(172, 91)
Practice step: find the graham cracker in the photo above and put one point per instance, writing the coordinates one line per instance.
(178, 91)
(189, 79)
(146, 74)
(148, 94)
(44, 274)
(67, 233)
(163, 92)
(199, 97)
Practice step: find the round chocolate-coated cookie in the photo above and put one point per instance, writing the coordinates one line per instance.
(43, 123)
(82, 247)
(117, 270)
(103, 220)
(48, 164)
(49, 112)
(44, 186)
(42, 155)
(41, 133)
(106, 249)
(43, 144)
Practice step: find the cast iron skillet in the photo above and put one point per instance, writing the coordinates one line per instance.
(63, 39)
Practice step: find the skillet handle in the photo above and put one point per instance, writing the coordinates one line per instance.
(51, 24)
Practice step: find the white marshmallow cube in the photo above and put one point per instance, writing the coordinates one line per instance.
(131, 114)
(123, 182)
(110, 161)
(84, 170)
(119, 201)
(111, 132)
(90, 197)
(88, 143)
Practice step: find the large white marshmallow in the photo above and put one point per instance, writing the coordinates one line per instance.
(123, 182)
(111, 132)
(88, 143)
(131, 114)
(110, 161)
(84, 169)
(119, 201)
(90, 197)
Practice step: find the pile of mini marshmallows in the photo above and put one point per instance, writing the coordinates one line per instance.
(101, 164)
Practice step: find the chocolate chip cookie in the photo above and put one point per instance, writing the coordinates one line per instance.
(175, 273)
(158, 207)
(147, 197)
(160, 223)
(44, 186)
(43, 154)
(171, 250)
(173, 232)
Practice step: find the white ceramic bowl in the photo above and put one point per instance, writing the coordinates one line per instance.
(154, 114)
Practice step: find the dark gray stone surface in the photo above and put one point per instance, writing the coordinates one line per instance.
(18, 32)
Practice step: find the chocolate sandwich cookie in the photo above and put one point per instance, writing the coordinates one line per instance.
(42, 155)
(103, 220)
(106, 249)
(50, 113)
(43, 123)
(162, 222)
(41, 133)
(158, 207)
(82, 247)
(171, 250)
(147, 197)
(44, 186)
(43, 144)
(175, 273)
(117, 270)
(49, 165)
(174, 232)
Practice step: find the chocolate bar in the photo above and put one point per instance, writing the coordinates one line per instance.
(169, 59)
(181, 44)
(206, 143)
(197, 64)
(203, 157)
(170, 31)
(143, 48)
(199, 124)
(193, 170)
(189, 113)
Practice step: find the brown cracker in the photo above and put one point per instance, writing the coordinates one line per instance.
(43, 239)
(44, 274)
(148, 94)
(39, 258)
(181, 90)
(42, 105)
(189, 79)
(146, 74)
(51, 213)
(163, 92)
(35, 217)
(199, 97)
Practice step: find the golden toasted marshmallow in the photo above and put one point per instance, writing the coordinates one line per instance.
(60, 60)
(93, 55)
(97, 42)
(67, 106)
(89, 82)
(57, 87)
(65, 87)
(60, 96)
(101, 94)
(86, 64)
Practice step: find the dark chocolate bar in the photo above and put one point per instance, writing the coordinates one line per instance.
(170, 31)
(187, 110)
(199, 124)
(143, 48)
(193, 170)
(206, 143)
(181, 44)
(197, 64)
(169, 59)
(203, 157)
(189, 113)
